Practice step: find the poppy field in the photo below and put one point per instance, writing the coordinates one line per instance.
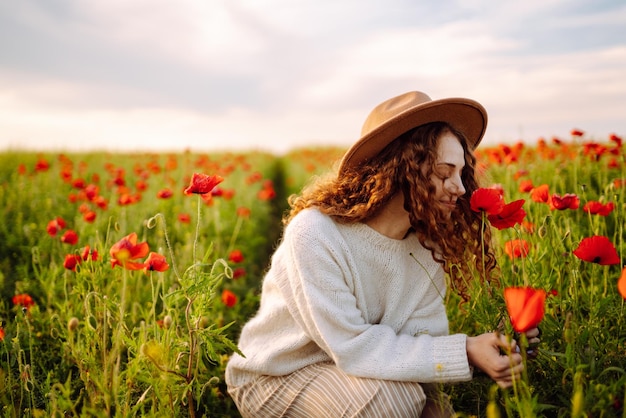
(125, 278)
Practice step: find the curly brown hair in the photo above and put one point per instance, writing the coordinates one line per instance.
(461, 242)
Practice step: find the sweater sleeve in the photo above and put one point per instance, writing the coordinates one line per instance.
(322, 302)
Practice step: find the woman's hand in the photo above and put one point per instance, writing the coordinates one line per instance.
(496, 355)
(533, 341)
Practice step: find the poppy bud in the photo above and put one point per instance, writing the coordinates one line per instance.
(167, 321)
(542, 231)
(72, 324)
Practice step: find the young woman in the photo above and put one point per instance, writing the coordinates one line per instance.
(352, 319)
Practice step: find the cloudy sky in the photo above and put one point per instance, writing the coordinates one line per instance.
(278, 74)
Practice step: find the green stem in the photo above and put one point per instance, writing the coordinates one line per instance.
(195, 241)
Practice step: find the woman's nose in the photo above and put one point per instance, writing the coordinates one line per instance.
(456, 186)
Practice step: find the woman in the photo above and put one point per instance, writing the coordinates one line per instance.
(352, 319)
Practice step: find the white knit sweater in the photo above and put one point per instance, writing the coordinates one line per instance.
(347, 294)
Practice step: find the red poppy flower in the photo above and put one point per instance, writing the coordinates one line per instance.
(24, 300)
(528, 226)
(525, 306)
(127, 249)
(614, 138)
(526, 186)
(165, 194)
(184, 218)
(79, 183)
(89, 216)
(92, 191)
(227, 194)
(236, 256)
(101, 202)
(202, 183)
(243, 212)
(238, 273)
(516, 248)
(1, 334)
(621, 283)
(155, 262)
(567, 201)
(597, 208)
(70, 237)
(540, 194)
(597, 249)
(229, 298)
(577, 132)
(126, 199)
(42, 165)
(55, 225)
(71, 261)
(487, 200)
(267, 192)
(88, 254)
(511, 214)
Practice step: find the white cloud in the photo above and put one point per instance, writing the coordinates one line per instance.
(280, 72)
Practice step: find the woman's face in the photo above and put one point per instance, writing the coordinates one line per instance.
(446, 176)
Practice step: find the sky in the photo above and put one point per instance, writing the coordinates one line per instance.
(274, 75)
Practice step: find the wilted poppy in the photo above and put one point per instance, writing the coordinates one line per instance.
(525, 306)
(229, 298)
(597, 249)
(516, 248)
(127, 249)
(511, 214)
(567, 201)
(202, 183)
(155, 262)
(487, 200)
(621, 283)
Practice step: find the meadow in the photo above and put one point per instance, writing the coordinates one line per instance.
(122, 291)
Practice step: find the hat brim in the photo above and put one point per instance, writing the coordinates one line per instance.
(464, 115)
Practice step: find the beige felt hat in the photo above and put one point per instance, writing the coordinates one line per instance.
(400, 114)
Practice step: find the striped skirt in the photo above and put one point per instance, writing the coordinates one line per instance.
(323, 390)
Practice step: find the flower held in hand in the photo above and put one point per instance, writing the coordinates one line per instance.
(525, 306)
